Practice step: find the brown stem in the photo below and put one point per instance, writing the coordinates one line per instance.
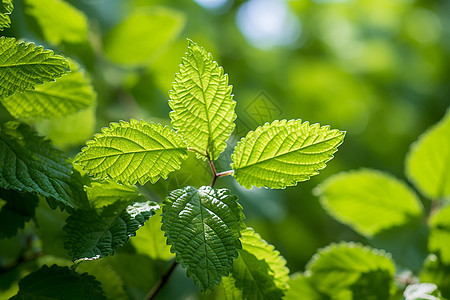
(158, 286)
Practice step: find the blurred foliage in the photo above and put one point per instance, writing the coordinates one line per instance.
(378, 69)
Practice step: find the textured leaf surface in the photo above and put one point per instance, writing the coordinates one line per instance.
(283, 153)
(124, 43)
(6, 7)
(150, 239)
(91, 235)
(203, 107)
(203, 226)
(23, 65)
(368, 200)
(59, 283)
(64, 96)
(439, 240)
(259, 272)
(300, 287)
(29, 163)
(18, 210)
(352, 271)
(133, 152)
(428, 160)
(58, 21)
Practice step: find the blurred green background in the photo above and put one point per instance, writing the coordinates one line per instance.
(378, 69)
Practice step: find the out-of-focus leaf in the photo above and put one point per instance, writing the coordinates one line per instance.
(6, 7)
(438, 273)
(428, 159)
(421, 291)
(369, 200)
(300, 287)
(440, 234)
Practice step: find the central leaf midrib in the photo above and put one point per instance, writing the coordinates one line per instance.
(131, 152)
(204, 234)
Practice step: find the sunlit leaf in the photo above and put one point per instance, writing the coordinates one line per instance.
(58, 21)
(203, 226)
(6, 7)
(283, 153)
(300, 287)
(23, 65)
(428, 160)
(203, 107)
(133, 152)
(439, 240)
(369, 200)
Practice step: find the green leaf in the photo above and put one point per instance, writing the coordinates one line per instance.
(150, 239)
(92, 235)
(351, 271)
(428, 159)
(203, 107)
(133, 152)
(125, 44)
(203, 226)
(65, 96)
(18, 210)
(420, 291)
(62, 23)
(59, 283)
(6, 7)
(439, 240)
(23, 65)
(283, 153)
(436, 272)
(29, 163)
(369, 200)
(300, 287)
(259, 272)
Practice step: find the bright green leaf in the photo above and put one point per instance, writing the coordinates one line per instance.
(6, 7)
(150, 240)
(29, 163)
(133, 152)
(259, 272)
(203, 226)
(283, 153)
(58, 21)
(59, 283)
(428, 160)
(18, 210)
(143, 36)
(23, 65)
(300, 287)
(439, 240)
(67, 95)
(369, 200)
(351, 271)
(203, 107)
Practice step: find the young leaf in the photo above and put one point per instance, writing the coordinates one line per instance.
(64, 96)
(23, 65)
(203, 107)
(18, 210)
(283, 153)
(61, 23)
(29, 163)
(368, 200)
(300, 287)
(428, 159)
(351, 271)
(439, 240)
(203, 226)
(90, 235)
(259, 272)
(6, 7)
(59, 283)
(133, 152)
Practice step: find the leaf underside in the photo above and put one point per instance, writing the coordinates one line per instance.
(283, 153)
(29, 163)
(24, 65)
(203, 107)
(133, 152)
(6, 8)
(203, 226)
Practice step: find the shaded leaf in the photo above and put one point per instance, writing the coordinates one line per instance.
(300, 287)
(428, 159)
(133, 152)
(203, 226)
(438, 273)
(203, 107)
(23, 65)
(283, 153)
(59, 283)
(439, 240)
(369, 200)
(6, 8)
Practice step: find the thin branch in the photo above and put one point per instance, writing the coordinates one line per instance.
(225, 173)
(158, 286)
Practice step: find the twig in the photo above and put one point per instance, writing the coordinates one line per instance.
(158, 286)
